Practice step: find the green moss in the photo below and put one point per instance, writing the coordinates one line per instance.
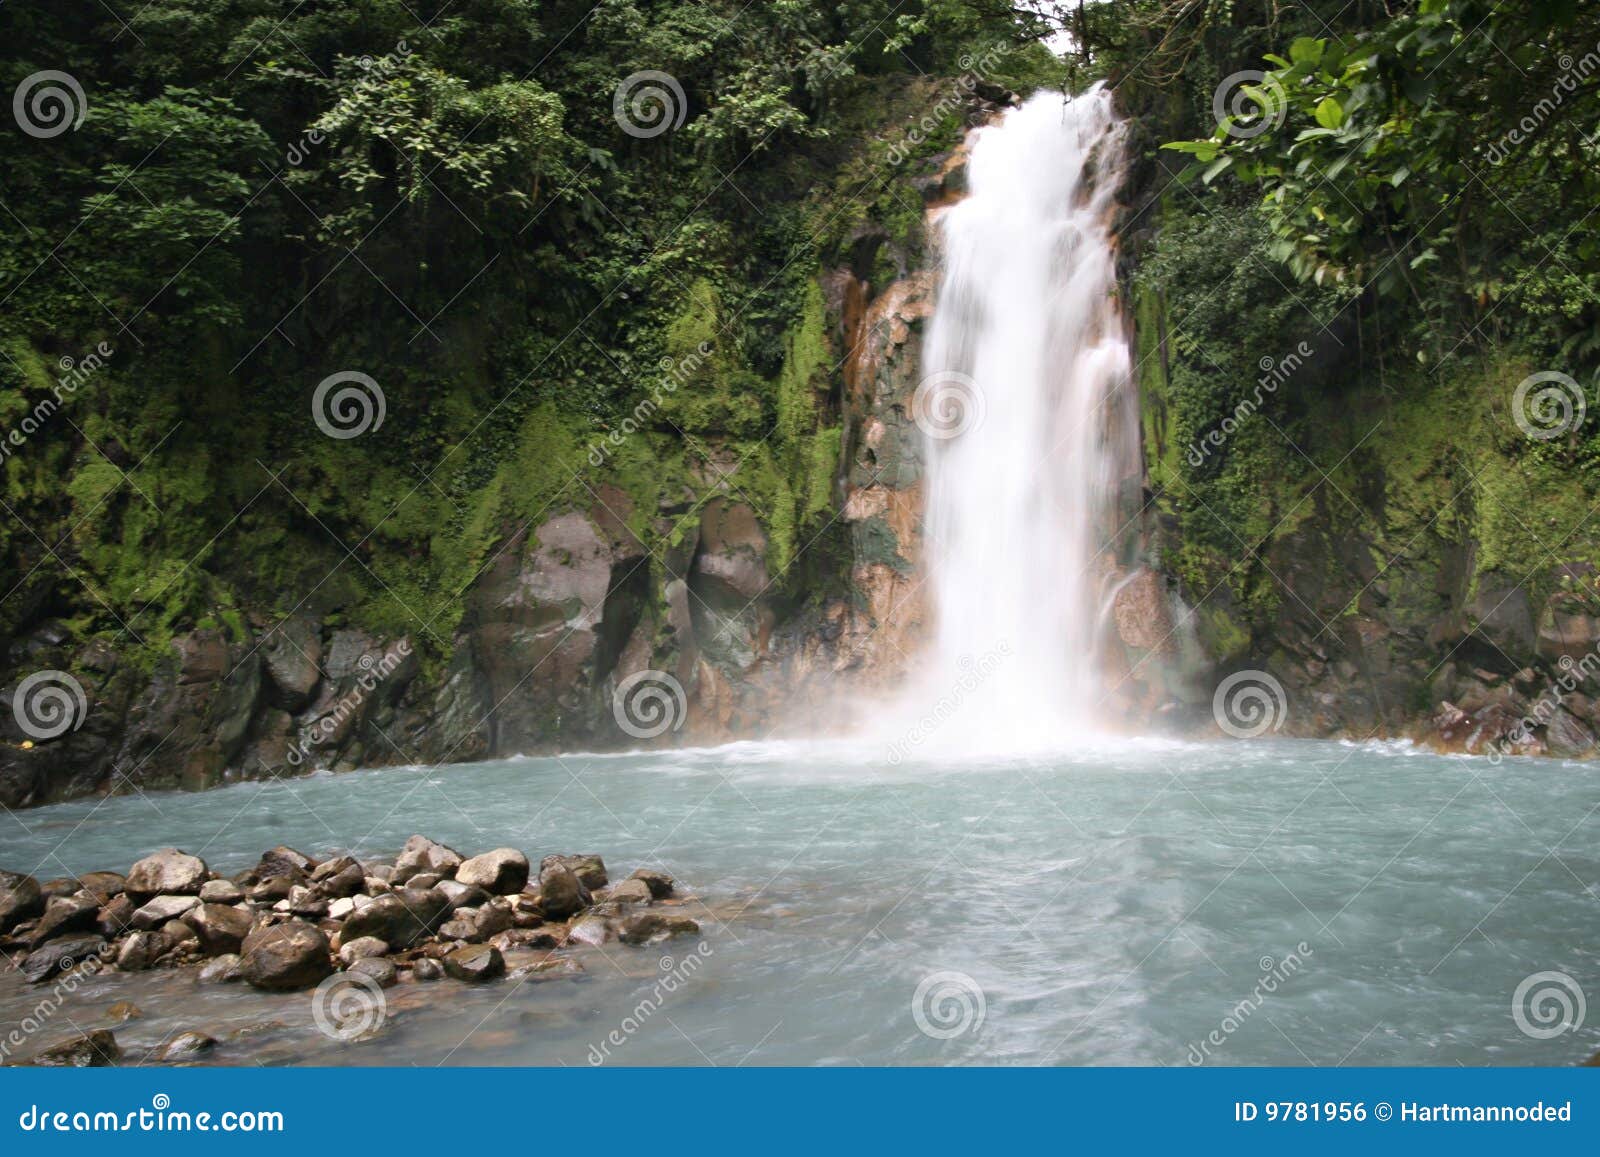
(1163, 458)
(820, 472)
(805, 366)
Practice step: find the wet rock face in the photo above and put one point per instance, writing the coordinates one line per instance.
(214, 705)
(401, 918)
(78, 913)
(220, 928)
(292, 654)
(1414, 645)
(561, 893)
(59, 956)
(102, 885)
(421, 854)
(660, 884)
(20, 899)
(97, 1049)
(726, 585)
(196, 710)
(286, 956)
(1143, 613)
(282, 861)
(168, 872)
(1569, 628)
(161, 909)
(645, 927)
(142, 950)
(476, 963)
(543, 630)
(501, 872)
(185, 1046)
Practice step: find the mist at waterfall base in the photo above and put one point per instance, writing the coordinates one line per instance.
(1030, 433)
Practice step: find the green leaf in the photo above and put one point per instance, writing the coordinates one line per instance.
(1306, 50)
(1330, 113)
(1216, 168)
(1203, 150)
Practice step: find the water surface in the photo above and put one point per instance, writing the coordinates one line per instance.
(1114, 905)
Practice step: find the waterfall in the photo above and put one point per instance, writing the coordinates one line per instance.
(1030, 429)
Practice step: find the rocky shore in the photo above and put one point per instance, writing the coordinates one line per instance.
(292, 923)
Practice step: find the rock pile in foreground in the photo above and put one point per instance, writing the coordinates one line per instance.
(291, 921)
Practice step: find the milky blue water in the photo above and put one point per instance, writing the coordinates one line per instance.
(1133, 902)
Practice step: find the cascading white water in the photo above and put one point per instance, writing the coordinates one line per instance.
(1030, 428)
